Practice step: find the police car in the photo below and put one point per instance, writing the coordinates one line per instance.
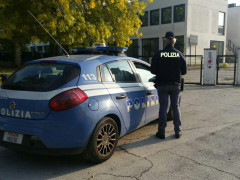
(81, 103)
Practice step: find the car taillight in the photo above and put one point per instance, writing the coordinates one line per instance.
(67, 99)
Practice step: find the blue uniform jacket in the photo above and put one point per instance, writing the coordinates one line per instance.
(169, 65)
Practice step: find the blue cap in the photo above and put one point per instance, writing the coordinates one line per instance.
(169, 35)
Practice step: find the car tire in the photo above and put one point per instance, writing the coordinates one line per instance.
(103, 141)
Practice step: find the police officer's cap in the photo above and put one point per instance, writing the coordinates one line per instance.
(170, 35)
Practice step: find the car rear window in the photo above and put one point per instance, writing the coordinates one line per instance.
(41, 77)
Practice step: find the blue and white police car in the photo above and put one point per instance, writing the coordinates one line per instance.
(81, 103)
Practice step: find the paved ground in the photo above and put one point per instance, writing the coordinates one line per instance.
(208, 149)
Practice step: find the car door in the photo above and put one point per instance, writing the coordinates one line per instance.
(126, 92)
(147, 78)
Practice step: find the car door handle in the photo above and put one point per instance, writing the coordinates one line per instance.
(121, 97)
(149, 92)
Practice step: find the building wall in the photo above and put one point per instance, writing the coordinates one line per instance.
(158, 31)
(234, 25)
(201, 18)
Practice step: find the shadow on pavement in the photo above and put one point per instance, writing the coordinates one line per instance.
(138, 141)
(16, 165)
(146, 142)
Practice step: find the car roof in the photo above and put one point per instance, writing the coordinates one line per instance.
(101, 59)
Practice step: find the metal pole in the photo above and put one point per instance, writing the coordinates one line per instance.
(195, 55)
(238, 68)
(217, 69)
(235, 68)
(190, 54)
(201, 70)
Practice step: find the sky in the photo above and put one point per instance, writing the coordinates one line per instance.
(234, 1)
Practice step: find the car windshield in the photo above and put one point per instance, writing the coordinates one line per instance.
(41, 77)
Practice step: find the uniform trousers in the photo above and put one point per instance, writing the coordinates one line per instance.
(164, 91)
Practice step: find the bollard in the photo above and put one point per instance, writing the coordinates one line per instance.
(210, 67)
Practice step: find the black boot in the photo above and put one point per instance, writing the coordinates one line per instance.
(178, 135)
(159, 135)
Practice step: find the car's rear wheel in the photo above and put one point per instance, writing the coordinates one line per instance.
(103, 141)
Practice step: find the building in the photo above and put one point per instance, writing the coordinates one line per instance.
(233, 24)
(202, 20)
(39, 47)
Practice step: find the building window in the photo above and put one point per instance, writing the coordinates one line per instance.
(154, 17)
(166, 16)
(179, 13)
(149, 48)
(180, 43)
(39, 49)
(47, 49)
(33, 49)
(221, 23)
(144, 19)
(133, 49)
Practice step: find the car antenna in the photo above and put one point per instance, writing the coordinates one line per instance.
(49, 33)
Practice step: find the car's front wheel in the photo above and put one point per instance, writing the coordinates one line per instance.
(103, 141)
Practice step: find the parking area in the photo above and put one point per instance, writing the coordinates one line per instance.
(208, 149)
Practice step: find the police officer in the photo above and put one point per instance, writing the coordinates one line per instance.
(169, 65)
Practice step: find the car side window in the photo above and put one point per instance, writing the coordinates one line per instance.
(105, 74)
(144, 72)
(122, 71)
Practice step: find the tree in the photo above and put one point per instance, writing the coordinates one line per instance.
(6, 46)
(71, 22)
(15, 25)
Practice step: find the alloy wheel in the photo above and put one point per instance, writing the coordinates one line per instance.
(106, 139)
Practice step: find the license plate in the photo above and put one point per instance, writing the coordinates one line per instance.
(13, 137)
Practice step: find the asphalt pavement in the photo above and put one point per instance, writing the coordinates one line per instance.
(208, 148)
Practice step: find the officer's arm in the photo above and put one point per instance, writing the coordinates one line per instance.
(153, 67)
(183, 65)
